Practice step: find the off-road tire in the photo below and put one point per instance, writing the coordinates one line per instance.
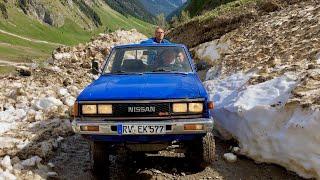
(208, 148)
(201, 151)
(118, 164)
(99, 156)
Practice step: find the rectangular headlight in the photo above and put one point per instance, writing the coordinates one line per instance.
(180, 107)
(89, 109)
(105, 109)
(195, 107)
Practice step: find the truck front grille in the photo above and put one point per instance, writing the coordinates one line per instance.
(141, 110)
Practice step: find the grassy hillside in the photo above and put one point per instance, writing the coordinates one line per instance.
(197, 7)
(73, 31)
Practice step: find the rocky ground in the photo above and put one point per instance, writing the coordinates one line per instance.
(71, 161)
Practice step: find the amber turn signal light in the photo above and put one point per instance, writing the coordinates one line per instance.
(210, 105)
(189, 127)
(89, 128)
(74, 112)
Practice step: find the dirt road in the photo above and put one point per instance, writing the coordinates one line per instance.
(72, 162)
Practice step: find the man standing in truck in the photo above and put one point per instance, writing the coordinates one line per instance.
(158, 37)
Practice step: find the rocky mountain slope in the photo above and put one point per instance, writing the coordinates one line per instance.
(131, 8)
(84, 13)
(265, 83)
(162, 6)
(223, 19)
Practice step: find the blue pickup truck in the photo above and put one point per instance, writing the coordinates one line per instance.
(146, 97)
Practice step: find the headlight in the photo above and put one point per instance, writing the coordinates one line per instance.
(180, 107)
(104, 109)
(89, 109)
(195, 107)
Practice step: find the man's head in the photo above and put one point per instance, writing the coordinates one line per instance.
(168, 56)
(181, 57)
(159, 34)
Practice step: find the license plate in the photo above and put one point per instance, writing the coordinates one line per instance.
(141, 129)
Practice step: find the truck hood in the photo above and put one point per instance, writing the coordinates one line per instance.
(144, 86)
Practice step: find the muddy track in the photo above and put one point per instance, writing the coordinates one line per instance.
(72, 162)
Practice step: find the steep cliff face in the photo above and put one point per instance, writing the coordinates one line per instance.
(162, 6)
(41, 11)
(129, 7)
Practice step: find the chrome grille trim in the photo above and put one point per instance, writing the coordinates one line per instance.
(142, 101)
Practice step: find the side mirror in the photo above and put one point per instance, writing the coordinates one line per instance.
(95, 67)
(201, 65)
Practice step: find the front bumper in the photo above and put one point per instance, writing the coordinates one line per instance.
(176, 126)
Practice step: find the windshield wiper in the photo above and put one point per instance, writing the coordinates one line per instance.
(161, 70)
(166, 70)
(125, 73)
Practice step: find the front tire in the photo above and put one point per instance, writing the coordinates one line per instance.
(208, 148)
(99, 155)
(202, 150)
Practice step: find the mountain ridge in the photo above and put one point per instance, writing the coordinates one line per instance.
(157, 7)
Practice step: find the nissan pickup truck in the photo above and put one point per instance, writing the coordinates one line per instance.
(146, 98)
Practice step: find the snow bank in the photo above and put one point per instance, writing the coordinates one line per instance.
(268, 129)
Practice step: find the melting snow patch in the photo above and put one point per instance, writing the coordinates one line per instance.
(267, 130)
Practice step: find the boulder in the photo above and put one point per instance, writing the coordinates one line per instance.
(24, 71)
(6, 163)
(69, 100)
(62, 92)
(230, 157)
(46, 103)
(31, 161)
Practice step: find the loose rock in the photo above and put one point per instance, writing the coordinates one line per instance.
(230, 157)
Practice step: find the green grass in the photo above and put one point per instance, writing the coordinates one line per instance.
(68, 34)
(233, 6)
(114, 20)
(7, 69)
(17, 49)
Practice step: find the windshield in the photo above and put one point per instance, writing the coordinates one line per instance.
(148, 60)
